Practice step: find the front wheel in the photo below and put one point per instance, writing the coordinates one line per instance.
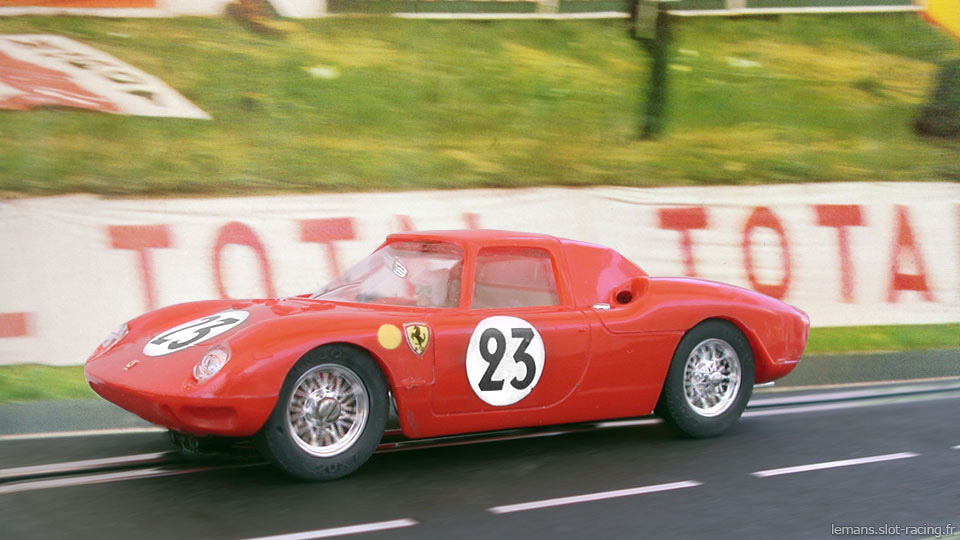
(330, 415)
(709, 382)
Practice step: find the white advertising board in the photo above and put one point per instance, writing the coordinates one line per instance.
(847, 254)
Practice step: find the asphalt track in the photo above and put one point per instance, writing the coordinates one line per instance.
(798, 465)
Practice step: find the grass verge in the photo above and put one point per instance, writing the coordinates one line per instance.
(854, 339)
(34, 382)
(374, 103)
(29, 382)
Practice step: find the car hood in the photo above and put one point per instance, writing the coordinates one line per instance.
(161, 347)
(196, 325)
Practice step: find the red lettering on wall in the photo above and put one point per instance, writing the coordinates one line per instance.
(141, 238)
(841, 216)
(405, 223)
(904, 243)
(472, 220)
(15, 324)
(326, 231)
(683, 220)
(763, 217)
(237, 233)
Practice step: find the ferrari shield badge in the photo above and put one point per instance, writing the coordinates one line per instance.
(418, 335)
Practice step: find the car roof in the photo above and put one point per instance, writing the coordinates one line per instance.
(594, 272)
(475, 237)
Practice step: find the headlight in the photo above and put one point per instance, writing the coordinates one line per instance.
(212, 362)
(115, 337)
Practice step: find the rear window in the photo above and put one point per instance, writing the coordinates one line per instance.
(514, 277)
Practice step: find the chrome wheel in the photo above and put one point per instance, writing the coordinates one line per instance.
(327, 410)
(712, 377)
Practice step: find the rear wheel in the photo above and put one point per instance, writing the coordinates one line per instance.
(329, 417)
(710, 380)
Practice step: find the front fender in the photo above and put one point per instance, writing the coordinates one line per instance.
(263, 353)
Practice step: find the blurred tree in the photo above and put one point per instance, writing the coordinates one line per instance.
(940, 117)
(652, 29)
(254, 14)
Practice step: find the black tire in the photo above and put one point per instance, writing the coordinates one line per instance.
(278, 441)
(702, 419)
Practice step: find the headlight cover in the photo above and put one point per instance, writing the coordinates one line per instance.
(212, 362)
(115, 337)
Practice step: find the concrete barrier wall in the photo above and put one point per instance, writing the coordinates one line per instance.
(848, 254)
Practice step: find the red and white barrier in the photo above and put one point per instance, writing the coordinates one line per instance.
(151, 8)
(46, 70)
(847, 254)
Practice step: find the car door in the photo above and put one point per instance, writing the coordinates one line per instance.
(520, 344)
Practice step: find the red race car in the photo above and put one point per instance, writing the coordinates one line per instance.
(466, 331)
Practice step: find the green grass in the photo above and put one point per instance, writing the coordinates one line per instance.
(455, 104)
(27, 382)
(852, 339)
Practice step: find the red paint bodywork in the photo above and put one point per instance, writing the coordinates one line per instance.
(599, 363)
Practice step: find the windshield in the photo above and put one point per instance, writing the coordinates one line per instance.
(424, 274)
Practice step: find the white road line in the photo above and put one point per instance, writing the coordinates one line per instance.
(78, 433)
(342, 531)
(81, 480)
(533, 505)
(629, 423)
(833, 464)
(69, 481)
(839, 386)
(957, 447)
(817, 407)
(808, 408)
(887, 391)
(81, 465)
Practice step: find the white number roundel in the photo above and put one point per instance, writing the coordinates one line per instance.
(504, 360)
(193, 332)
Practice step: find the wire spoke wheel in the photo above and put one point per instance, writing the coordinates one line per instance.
(709, 381)
(327, 410)
(711, 377)
(330, 414)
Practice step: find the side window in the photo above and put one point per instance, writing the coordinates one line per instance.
(513, 277)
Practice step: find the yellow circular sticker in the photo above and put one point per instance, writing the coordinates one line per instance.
(389, 336)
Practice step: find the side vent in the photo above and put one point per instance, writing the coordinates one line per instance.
(629, 291)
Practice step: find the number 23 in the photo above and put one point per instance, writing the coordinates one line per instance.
(494, 357)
